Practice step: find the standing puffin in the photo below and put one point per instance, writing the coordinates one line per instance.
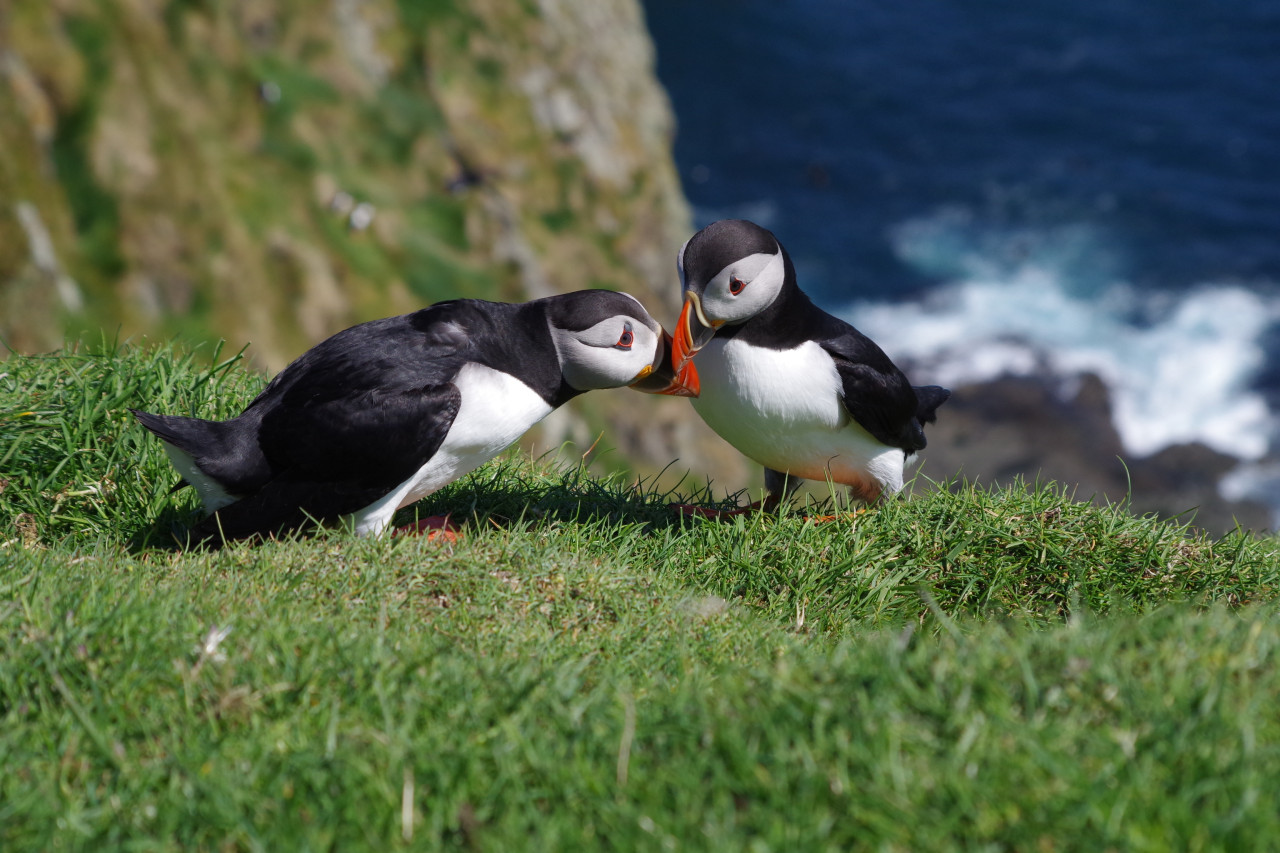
(800, 391)
(387, 412)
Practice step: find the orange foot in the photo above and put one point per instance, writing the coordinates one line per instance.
(437, 528)
(823, 519)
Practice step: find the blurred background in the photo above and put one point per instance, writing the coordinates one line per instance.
(1068, 214)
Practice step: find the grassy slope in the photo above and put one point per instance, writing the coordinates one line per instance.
(982, 669)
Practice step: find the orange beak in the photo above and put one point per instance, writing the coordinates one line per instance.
(686, 384)
(693, 332)
(664, 378)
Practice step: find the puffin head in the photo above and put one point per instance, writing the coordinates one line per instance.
(605, 339)
(730, 271)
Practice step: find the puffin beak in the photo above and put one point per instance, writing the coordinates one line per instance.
(661, 377)
(693, 331)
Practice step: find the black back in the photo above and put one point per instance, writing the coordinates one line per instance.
(357, 414)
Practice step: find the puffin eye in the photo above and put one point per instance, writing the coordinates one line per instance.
(735, 285)
(626, 338)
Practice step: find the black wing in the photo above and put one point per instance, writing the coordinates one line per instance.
(345, 423)
(336, 457)
(876, 393)
(410, 351)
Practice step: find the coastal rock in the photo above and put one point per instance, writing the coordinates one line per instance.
(1043, 428)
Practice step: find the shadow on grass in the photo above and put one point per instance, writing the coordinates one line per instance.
(508, 493)
(167, 532)
(512, 494)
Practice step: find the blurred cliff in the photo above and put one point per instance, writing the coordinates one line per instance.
(271, 171)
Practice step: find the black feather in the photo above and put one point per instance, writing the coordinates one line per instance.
(361, 412)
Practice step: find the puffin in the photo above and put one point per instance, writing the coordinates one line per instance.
(386, 412)
(799, 391)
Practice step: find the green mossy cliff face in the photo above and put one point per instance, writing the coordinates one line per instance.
(271, 171)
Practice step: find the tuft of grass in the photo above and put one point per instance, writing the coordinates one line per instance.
(74, 466)
(1029, 553)
(586, 670)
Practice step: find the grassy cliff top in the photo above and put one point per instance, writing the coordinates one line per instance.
(584, 670)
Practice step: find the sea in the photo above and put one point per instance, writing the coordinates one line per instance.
(991, 187)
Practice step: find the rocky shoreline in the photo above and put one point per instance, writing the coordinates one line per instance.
(1024, 428)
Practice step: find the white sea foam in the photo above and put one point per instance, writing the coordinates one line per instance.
(1180, 369)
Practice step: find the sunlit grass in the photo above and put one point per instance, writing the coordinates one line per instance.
(996, 669)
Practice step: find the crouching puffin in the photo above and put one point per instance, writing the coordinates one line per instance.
(387, 412)
(790, 386)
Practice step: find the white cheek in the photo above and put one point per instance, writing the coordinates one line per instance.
(646, 348)
(764, 275)
(734, 309)
(756, 299)
(604, 367)
(631, 363)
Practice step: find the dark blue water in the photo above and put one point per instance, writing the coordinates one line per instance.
(988, 186)
(1158, 123)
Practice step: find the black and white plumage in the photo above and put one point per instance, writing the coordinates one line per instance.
(800, 391)
(386, 412)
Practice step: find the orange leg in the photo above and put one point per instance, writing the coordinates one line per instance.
(437, 528)
(823, 519)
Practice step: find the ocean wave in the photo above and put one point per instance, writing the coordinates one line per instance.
(1181, 367)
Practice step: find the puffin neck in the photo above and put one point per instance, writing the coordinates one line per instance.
(529, 353)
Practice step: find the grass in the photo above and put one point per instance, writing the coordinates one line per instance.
(964, 670)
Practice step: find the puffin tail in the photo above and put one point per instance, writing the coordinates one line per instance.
(928, 399)
(190, 435)
(214, 456)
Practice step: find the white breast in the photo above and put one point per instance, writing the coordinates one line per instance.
(782, 408)
(496, 410)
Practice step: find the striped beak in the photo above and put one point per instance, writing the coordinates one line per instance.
(693, 331)
(662, 377)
